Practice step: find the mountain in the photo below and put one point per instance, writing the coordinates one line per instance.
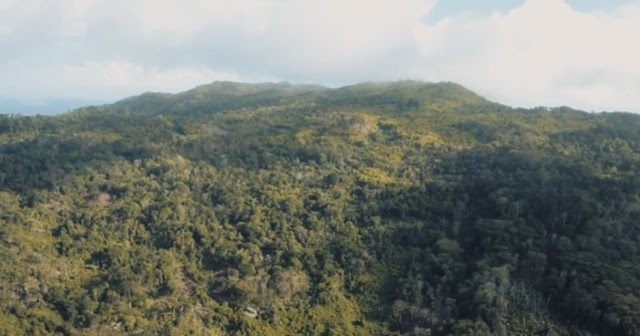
(402, 208)
(217, 96)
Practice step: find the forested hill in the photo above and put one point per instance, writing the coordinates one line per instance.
(402, 208)
(225, 96)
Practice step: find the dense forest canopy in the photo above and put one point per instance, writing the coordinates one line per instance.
(402, 208)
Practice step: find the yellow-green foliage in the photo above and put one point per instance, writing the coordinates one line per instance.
(304, 136)
(374, 176)
(429, 139)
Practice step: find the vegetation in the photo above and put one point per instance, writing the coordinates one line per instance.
(271, 209)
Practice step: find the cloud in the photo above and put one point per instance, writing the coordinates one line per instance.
(542, 52)
(332, 42)
(115, 79)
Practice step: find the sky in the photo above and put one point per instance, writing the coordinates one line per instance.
(55, 55)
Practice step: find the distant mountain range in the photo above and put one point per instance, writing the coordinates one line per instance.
(52, 107)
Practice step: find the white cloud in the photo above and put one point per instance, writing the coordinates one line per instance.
(541, 53)
(110, 80)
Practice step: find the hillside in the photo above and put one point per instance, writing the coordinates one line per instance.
(402, 208)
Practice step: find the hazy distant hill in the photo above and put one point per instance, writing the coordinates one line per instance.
(8, 106)
(402, 208)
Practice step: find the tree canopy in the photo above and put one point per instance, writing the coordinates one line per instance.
(402, 208)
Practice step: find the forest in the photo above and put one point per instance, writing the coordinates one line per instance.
(403, 208)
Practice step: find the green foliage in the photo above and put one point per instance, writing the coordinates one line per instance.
(273, 209)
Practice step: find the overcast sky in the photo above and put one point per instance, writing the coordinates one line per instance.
(581, 53)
